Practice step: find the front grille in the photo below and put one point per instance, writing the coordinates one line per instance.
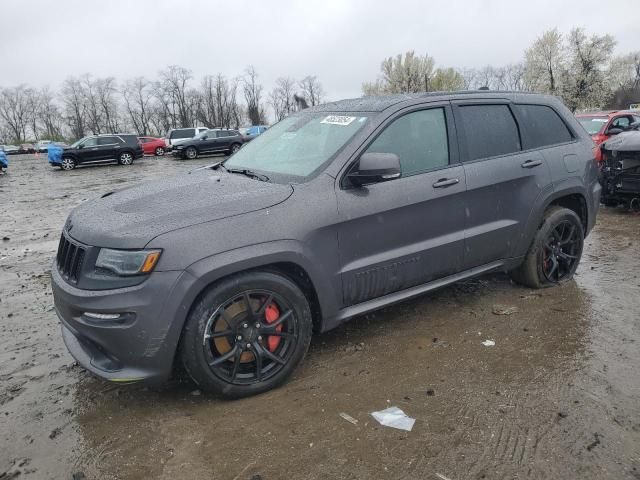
(69, 259)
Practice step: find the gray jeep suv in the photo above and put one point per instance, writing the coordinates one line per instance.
(335, 211)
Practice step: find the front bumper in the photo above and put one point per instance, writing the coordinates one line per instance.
(141, 345)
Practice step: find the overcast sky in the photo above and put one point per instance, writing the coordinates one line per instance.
(342, 42)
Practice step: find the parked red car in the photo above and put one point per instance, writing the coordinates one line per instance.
(602, 125)
(153, 146)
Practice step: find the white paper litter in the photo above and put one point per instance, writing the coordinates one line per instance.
(348, 418)
(488, 343)
(395, 418)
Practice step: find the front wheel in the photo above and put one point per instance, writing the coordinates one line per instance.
(555, 252)
(247, 334)
(125, 158)
(191, 153)
(67, 163)
(159, 152)
(234, 148)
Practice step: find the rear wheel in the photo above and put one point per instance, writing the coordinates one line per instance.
(159, 152)
(67, 163)
(191, 153)
(234, 148)
(247, 334)
(125, 158)
(555, 252)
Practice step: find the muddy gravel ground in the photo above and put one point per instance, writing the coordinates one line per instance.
(557, 397)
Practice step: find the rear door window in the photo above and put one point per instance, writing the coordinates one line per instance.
(107, 140)
(489, 130)
(183, 133)
(541, 126)
(419, 139)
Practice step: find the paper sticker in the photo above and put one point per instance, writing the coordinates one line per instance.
(338, 120)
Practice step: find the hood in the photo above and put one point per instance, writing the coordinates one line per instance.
(132, 217)
(624, 142)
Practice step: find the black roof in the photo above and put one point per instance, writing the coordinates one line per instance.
(380, 103)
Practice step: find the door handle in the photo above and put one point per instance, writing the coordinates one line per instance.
(446, 182)
(531, 163)
(96, 148)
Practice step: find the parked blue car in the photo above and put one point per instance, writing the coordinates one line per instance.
(4, 161)
(54, 154)
(252, 132)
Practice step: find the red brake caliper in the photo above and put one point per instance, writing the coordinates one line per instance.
(271, 314)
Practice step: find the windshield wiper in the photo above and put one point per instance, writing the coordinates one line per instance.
(246, 172)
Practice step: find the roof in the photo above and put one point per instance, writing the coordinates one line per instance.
(605, 113)
(382, 102)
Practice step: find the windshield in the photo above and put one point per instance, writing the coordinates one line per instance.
(592, 124)
(78, 142)
(299, 145)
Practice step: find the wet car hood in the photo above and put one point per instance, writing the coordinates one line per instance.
(132, 217)
(624, 142)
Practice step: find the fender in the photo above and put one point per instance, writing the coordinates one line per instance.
(570, 186)
(210, 269)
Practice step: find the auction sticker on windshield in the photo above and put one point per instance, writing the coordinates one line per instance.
(338, 120)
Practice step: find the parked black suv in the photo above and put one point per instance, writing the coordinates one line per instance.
(121, 148)
(218, 140)
(333, 212)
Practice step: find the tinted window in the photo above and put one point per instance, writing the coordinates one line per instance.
(107, 140)
(183, 133)
(541, 126)
(90, 142)
(418, 138)
(490, 130)
(223, 133)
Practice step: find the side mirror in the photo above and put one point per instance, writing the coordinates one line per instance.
(375, 167)
(80, 146)
(614, 131)
(204, 138)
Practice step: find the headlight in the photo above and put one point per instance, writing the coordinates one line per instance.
(127, 262)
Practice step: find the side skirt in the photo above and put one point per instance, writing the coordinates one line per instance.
(396, 297)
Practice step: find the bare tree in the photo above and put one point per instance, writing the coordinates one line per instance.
(106, 92)
(219, 104)
(137, 97)
(253, 97)
(74, 106)
(49, 114)
(312, 90)
(281, 98)
(92, 104)
(174, 82)
(14, 110)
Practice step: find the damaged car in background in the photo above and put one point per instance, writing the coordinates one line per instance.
(620, 170)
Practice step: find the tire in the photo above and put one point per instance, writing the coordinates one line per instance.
(68, 163)
(191, 153)
(125, 158)
(239, 346)
(159, 152)
(234, 148)
(555, 252)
